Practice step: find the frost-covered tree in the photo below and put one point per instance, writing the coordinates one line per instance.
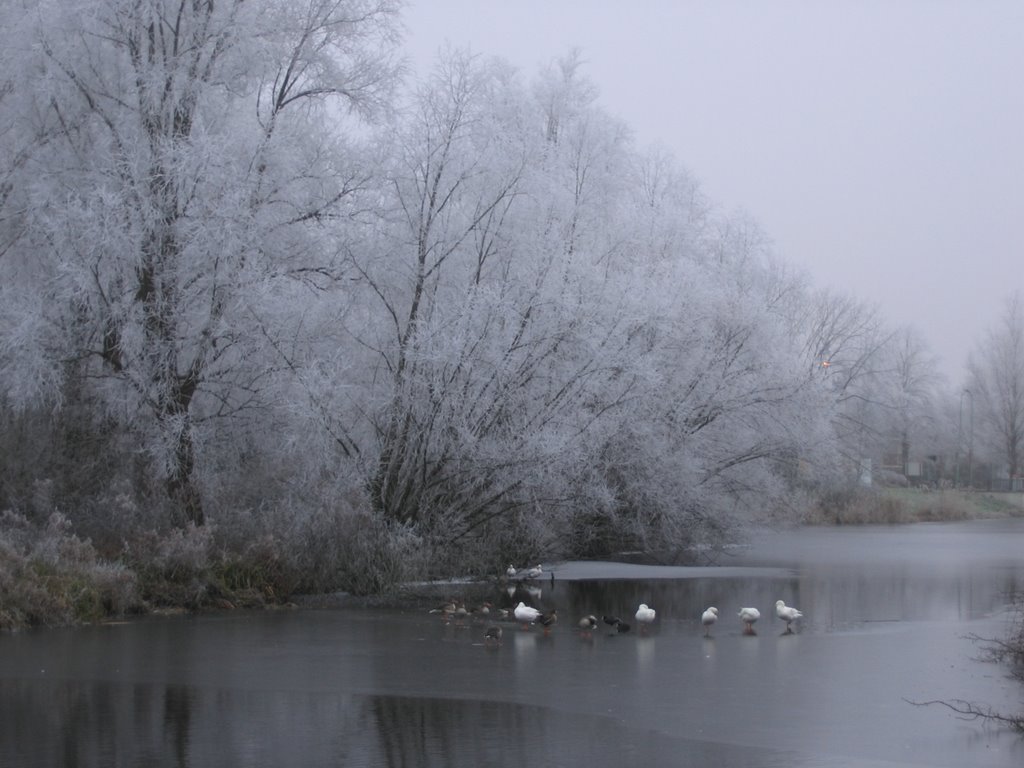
(843, 342)
(911, 379)
(574, 343)
(450, 181)
(185, 179)
(730, 411)
(493, 342)
(493, 324)
(996, 374)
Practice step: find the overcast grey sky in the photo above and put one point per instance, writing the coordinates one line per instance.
(880, 144)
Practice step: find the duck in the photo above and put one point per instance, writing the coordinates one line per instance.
(445, 609)
(548, 620)
(748, 616)
(535, 573)
(615, 621)
(526, 614)
(510, 572)
(708, 618)
(787, 613)
(588, 624)
(493, 635)
(645, 615)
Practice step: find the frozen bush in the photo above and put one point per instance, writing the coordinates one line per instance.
(49, 576)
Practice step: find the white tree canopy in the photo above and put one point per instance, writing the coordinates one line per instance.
(469, 305)
(181, 169)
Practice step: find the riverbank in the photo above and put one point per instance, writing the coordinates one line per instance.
(51, 577)
(888, 615)
(897, 506)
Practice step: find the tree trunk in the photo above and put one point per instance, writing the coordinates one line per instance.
(181, 484)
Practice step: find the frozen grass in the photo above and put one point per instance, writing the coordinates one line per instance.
(891, 506)
(49, 576)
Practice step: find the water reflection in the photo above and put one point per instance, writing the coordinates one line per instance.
(404, 687)
(439, 732)
(96, 727)
(95, 724)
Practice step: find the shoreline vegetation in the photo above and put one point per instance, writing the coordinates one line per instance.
(50, 576)
(900, 506)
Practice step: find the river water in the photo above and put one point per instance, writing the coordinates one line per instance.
(887, 611)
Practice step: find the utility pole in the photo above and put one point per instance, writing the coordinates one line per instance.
(970, 440)
(959, 440)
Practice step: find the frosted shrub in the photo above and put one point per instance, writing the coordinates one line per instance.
(184, 551)
(358, 552)
(116, 515)
(49, 576)
(173, 567)
(257, 572)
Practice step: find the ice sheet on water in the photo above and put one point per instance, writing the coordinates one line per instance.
(594, 570)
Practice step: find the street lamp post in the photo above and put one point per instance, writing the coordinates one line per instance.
(970, 439)
(959, 440)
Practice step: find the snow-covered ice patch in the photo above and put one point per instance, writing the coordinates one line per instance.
(597, 570)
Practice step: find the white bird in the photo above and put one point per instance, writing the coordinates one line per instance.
(749, 616)
(588, 624)
(709, 617)
(526, 614)
(644, 615)
(787, 613)
(510, 571)
(535, 573)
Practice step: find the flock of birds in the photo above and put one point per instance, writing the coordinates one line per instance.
(645, 615)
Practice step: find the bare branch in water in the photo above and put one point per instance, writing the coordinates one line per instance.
(970, 711)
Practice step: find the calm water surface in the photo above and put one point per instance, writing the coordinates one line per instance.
(888, 611)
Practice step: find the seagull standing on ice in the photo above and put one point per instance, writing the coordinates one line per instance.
(526, 614)
(645, 615)
(749, 616)
(787, 613)
(709, 617)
